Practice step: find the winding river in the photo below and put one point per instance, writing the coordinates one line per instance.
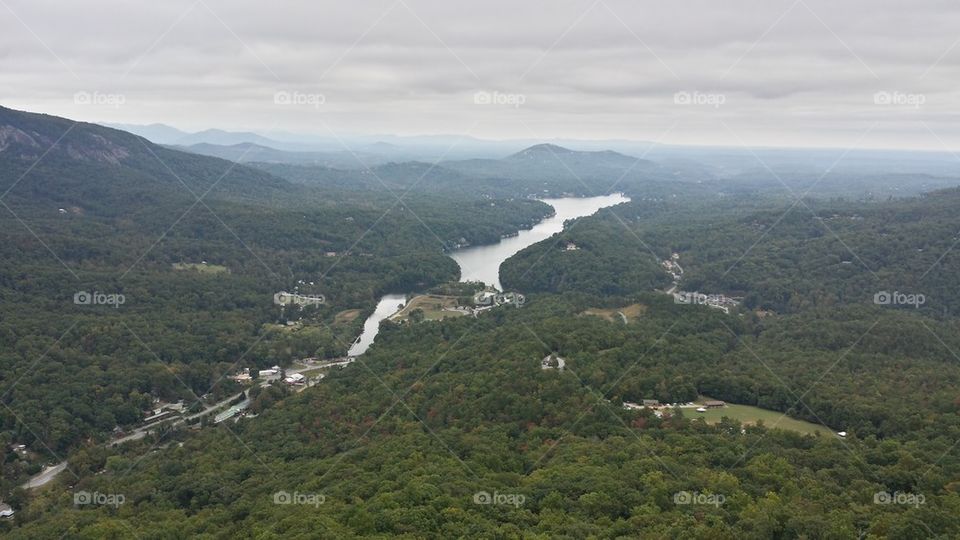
(482, 263)
(476, 263)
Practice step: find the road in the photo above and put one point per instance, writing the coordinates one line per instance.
(50, 473)
(47, 475)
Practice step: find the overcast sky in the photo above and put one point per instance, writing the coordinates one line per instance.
(763, 72)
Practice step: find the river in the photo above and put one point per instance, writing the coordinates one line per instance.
(387, 306)
(476, 263)
(482, 263)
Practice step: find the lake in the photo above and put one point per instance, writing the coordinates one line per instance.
(482, 263)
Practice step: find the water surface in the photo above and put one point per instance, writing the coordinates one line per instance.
(387, 306)
(482, 263)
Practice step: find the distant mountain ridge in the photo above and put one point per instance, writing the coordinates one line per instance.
(251, 153)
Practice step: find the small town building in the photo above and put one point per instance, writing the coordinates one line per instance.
(296, 378)
(714, 404)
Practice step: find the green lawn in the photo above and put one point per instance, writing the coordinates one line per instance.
(432, 306)
(749, 415)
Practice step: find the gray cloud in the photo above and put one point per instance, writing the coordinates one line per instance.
(791, 72)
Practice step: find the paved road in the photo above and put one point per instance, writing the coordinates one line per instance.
(50, 473)
(47, 475)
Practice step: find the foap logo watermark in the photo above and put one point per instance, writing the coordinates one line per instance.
(899, 99)
(83, 498)
(99, 98)
(95, 298)
(897, 298)
(499, 98)
(699, 299)
(695, 497)
(303, 99)
(295, 497)
(302, 300)
(899, 497)
(511, 499)
(699, 98)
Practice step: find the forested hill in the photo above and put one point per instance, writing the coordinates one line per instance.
(462, 427)
(104, 171)
(777, 255)
(197, 246)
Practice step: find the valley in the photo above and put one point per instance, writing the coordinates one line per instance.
(393, 375)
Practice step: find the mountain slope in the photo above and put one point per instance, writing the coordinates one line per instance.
(48, 160)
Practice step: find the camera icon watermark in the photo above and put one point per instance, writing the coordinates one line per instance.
(897, 298)
(308, 99)
(295, 497)
(83, 498)
(699, 98)
(499, 98)
(899, 99)
(899, 497)
(99, 98)
(697, 498)
(84, 298)
(511, 499)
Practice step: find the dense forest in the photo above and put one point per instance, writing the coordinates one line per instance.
(456, 427)
(108, 212)
(401, 442)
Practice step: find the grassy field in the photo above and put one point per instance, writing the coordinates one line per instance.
(202, 268)
(631, 312)
(432, 306)
(749, 415)
(346, 316)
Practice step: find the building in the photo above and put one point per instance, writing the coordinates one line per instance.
(714, 404)
(552, 361)
(296, 378)
(650, 402)
(6, 511)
